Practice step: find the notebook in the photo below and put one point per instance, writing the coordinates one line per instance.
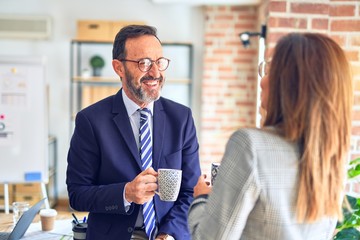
(23, 224)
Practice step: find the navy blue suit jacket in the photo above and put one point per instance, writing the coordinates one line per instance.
(103, 157)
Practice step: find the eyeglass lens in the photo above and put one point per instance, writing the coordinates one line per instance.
(146, 64)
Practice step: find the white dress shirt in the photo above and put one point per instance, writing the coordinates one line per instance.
(134, 117)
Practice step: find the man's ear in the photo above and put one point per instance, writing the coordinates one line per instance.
(118, 67)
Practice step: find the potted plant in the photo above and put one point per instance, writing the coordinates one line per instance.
(97, 63)
(349, 227)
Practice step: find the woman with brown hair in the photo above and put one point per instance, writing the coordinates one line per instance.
(286, 180)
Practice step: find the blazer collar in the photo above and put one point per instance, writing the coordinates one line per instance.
(121, 120)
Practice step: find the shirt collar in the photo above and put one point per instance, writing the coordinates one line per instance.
(132, 107)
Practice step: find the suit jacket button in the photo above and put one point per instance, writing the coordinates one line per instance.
(130, 229)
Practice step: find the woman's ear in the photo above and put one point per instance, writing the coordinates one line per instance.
(118, 67)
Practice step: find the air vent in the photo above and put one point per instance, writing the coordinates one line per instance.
(29, 27)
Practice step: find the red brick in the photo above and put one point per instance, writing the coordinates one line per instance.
(226, 52)
(221, 25)
(356, 117)
(355, 41)
(290, 22)
(356, 85)
(274, 37)
(233, 44)
(352, 55)
(246, 51)
(357, 100)
(242, 61)
(355, 130)
(247, 26)
(345, 25)
(342, 10)
(224, 17)
(356, 71)
(277, 6)
(310, 8)
(339, 39)
(248, 17)
(222, 9)
(320, 23)
(356, 187)
(214, 35)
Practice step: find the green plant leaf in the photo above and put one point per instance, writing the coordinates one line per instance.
(356, 161)
(348, 234)
(354, 168)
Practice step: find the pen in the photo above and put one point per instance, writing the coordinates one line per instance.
(76, 220)
(84, 220)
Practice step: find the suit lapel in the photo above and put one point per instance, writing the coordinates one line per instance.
(158, 132)
(122, 122)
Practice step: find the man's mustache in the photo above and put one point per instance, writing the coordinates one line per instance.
(146, 78)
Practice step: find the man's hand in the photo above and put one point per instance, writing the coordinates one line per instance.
(202, 186)
(142, 188)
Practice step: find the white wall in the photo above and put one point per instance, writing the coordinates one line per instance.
(175, 22)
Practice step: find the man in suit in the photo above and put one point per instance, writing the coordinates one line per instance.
(105, 175)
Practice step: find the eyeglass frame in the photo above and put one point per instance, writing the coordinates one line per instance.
(262, 68)
(151, 61)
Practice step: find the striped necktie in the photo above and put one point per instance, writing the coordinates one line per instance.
(146, 161)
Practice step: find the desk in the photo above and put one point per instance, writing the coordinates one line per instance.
(62, 229)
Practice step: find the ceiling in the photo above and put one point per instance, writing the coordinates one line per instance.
(210, 2)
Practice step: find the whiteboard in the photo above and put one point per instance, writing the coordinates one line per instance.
(23, 120)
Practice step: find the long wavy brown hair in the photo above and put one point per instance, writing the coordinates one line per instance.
(310, 102)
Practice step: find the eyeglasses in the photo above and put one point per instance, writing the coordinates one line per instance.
(263, 68)
(145, 64)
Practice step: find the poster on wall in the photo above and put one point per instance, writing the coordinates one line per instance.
(23, 120)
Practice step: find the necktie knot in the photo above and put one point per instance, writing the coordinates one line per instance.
(144, 116)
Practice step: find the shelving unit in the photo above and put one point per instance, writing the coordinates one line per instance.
(85, 90)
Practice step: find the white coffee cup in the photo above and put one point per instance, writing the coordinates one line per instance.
(169, 182)
(47, 217)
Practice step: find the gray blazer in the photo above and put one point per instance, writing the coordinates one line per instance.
(255, 192)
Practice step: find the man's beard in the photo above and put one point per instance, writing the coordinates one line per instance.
(138, 92)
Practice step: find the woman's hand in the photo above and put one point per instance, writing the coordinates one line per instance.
(202, 186)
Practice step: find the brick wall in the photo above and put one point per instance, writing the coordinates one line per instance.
(229, 81)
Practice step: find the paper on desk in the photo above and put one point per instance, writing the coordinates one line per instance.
(62, 231)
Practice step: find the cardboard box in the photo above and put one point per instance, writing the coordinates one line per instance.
(93, 30)
(100, 30)
(27, 188)
(117, 25)
(30, 198)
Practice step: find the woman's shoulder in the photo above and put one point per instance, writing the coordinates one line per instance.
(261, 138)
(257, 133)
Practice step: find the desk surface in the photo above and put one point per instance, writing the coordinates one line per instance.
(6, 220)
